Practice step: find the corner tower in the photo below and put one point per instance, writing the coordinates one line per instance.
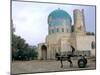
(79, 22)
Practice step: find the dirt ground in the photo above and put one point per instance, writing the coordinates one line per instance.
(35, 66)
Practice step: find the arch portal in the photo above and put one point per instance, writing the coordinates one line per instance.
(44, 52)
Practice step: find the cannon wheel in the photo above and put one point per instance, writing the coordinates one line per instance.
(82, 63)
(85, 60)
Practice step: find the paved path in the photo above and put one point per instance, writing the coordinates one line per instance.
(43, 66)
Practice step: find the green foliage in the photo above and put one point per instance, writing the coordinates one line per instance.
(90, 33)
(21, 50)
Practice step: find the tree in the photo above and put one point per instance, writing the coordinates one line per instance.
(20, 49)
(90, 33)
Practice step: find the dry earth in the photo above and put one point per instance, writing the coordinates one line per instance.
(35, 66)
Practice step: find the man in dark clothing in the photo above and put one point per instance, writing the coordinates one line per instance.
(71, 55)
(73, 50)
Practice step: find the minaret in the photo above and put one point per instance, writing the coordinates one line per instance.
(79, 22)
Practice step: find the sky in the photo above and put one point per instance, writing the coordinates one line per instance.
(30, 19)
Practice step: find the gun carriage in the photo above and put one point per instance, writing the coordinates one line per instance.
(81, 58)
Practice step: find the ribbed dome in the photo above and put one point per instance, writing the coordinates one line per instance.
(58, 17)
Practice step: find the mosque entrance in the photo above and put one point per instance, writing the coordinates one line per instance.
(44, 52)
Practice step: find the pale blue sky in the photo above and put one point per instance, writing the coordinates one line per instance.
(30, 19)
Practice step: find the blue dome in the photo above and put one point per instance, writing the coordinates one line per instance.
(57, 18)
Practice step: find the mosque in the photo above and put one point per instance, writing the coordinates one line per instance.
(62, 35)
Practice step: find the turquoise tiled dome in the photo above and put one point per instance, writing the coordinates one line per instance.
(57, 18)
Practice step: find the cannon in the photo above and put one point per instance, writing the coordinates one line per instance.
(82, 61)
(81, 58)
